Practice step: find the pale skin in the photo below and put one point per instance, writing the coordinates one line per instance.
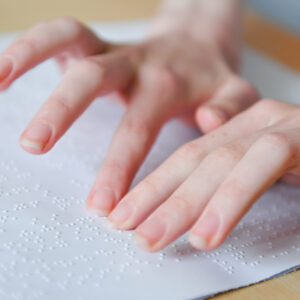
(187, 68)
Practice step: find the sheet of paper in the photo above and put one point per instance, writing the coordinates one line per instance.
(51, 248)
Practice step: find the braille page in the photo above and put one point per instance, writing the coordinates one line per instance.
(52, 248)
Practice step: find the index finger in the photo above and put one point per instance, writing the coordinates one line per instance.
(44, 41)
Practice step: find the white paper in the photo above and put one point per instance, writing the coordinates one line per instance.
(51, 248)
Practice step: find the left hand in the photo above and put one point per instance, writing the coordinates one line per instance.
(173, 73)
(215, 179)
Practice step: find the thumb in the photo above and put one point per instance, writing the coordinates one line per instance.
(234, 96)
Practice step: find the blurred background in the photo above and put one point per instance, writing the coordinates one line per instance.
(284, 12)
(20, 14)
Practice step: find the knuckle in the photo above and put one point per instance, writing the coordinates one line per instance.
(190, 150)
(275, 139)
(249, 90)
(137, 127)
(90, 66)
(265, 105)
(163, 79)
(269, 111)
(181, 206)
(234, 189)
(39, 25)
(27, 45)
(113, 169)
(272, 110)
(70, 22)
(166, 79)
(182, 202)
(150, 185)
(63, 104)
(230, 152)
(71, 25)
(279, 142)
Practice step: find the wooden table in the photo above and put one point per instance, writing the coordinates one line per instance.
(16, 14)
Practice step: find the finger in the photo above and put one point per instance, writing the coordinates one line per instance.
(140, 202)
(155, 188)
(261, 166)
(233, 97)
(79, 86)
(129, 147)
(44, 41)
(179, 212)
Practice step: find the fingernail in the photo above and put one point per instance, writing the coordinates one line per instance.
(120, 215)
(198, 241)
(204, 230)
(6, 67)
(103, 201)
(150, 232)
(217, 115)
(97, 211)
(36, 137)
(141, 242)
(109, 224)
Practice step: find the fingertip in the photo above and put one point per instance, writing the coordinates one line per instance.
(30, 146)
(205, 233)
(35, 139)
(91, 207)
(144, 243)
(197, 242)
(121, 215)
(210, 118)
(201, 243)
(101, 201)
(141, 242)
(33, 147)
(98, 212)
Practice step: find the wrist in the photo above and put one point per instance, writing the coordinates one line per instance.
(199, 11)
(217, 21)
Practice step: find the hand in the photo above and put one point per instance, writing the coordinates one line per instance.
(170, 74)
(215, 179)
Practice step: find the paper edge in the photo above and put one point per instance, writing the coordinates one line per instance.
(284, 272)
